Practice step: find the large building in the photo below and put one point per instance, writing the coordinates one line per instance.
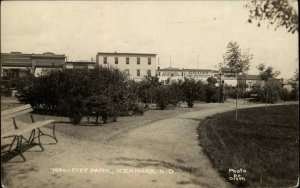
(17, 64)
(169, 75)
(136, 65)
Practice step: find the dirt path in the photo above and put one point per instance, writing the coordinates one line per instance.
(163, 153)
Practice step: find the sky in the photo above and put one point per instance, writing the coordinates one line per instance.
(193, 33)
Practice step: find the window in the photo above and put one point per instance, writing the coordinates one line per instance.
(116, 60)
(138, 61)
(138, 72)
(149, 72)
(127, 71)
(127, 60)
(104, 60)
(149, 61)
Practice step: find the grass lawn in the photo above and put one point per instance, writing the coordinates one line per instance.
(262, 146)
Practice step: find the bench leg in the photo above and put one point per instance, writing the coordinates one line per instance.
(32, 138)
(53, 133)
(19, 147)
(12, 143)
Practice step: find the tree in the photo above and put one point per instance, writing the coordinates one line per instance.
(190, 91)
(147, 88)
(294, 95)
(211, 89)
(267, 74)
(235, 62)
(282, 13)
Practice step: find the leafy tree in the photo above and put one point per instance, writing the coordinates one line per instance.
(190, 91)
(294, 95)
(67, 90)
(211, 89)
(163, 96)
(282, 13)
(267, 74)
(147, 88)
(235, 62)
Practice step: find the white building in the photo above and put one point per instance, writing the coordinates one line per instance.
(169, 75)
(137, 65)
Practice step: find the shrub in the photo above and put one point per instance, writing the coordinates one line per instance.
(147, 88)
(192, 91)
(284, 95)
(211, 90)
(66, 91)
(162, 96)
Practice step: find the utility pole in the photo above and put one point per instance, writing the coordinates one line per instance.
(237, 96)
(170, 61)
(198, 62)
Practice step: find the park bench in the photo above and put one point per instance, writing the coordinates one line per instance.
(252, 99)
(15, 129)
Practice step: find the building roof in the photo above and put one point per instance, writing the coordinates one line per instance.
(116, 53)
(46, 54)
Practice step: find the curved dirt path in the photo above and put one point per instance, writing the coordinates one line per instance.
(164, 153)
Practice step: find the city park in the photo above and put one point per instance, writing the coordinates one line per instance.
(121, 127)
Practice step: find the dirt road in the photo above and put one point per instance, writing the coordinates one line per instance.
(164, 153)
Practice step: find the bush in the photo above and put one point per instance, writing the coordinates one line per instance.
(161, 97)
(192, 90)
(285, 95)
(69, 91)
(211, 90)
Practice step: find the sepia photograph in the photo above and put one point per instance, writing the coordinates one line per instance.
(149, 94)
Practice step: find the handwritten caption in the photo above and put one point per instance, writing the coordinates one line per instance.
(113, 171)
(237, 174)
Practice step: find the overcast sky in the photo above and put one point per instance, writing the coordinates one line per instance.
(195, 33)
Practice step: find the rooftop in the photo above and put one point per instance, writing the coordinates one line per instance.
(116, 53)
(46, 54)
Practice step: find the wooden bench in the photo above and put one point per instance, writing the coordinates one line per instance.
(252, 99)
(13, 128)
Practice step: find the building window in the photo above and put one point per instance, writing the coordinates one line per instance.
(127, 71)
(116, 60)
(127, 60)
(149, 61)
(149, 72)
(138, 72)
(138, 61)
(104, 60)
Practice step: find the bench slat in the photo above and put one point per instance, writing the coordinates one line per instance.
(9, 116)
(25, 127)
(15, 110)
